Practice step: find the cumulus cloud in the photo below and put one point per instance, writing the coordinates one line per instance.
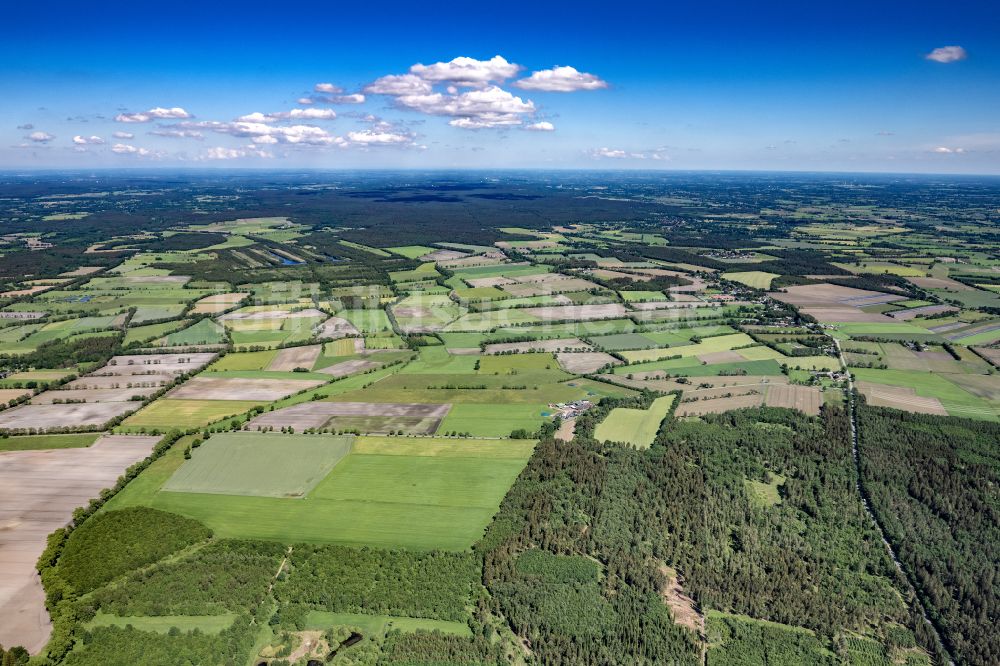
(476, 109)
(294, 114)
(265, 133)
(327, 88)
(175, 133)
(945, 150)
(561, 79)
(467, 72)
(947, 54)
(40, 137)
(126, 149)
(377, 138)
(619, 154)
(543, 126)
(156, 113)
(87, 140)
(223, 153)
(124, 135)
(399, 84)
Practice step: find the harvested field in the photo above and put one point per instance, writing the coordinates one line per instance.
(900, 397)
(846, 314)
(751, 398)
(38, 492)
(803, 398)
(206, 387)
(6, 395)
(583, 363)
(60, 416)
(138, 364)
(350, 367)
(991, 355)
(825, 293)
(217, 302)
(489, 281)
(721, 357)
(93, 395)
(120, 381)
(336, 327)
(559, 344)
(270, 315)
(443, 255)
(607, 274)
(416, 418)
(905, 315)
(291, 358)
(939, 283)
(577, 312)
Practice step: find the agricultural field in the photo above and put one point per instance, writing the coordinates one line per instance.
(496, 422)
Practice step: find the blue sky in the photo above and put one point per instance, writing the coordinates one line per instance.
(843, 86)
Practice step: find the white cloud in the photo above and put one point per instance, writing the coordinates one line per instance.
(156, 113)
(305, 100)
(87, 140)
(543, 126)
(174, 133)
(353, 98)
(475, 109)
(40, 137)
(945, 150)
(222, 153)
(307, 114)
(619, 154)
(255, 117)
(947, 54)
(469, 72)
(125, 149)
(399, 84)
(328, 88)
(561, 79)
(374, 138)
(253, 130)
(124, 135)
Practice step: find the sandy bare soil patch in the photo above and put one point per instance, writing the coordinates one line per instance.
(682, 607)
(350, 367)
(803, 398)
(17, 293)
(22, 315)
(288, 359)
(721, 357)
(464, 351)
(82, 270)
(906, 315)
(900, 397)
(490, 281)
(230, 388)
(158, 279)
(991, 355)
(38, 492)
(567, 428)
(846, 313)
(218, 302)
(271, 315)
(608, 274)
(717, 405)
(93, 395)
(139, 364)
(6, 395)
(57, 416)
(121, 381)
(939, 283)
(364, 416)
(559, 344)
(443, 255)
(578, 312)
(584, 363)
(825, 293)
(335, 328)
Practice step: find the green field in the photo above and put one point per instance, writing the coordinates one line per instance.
(414, 493)
(634, 426)
(493, 420)
(169, 413)
(956, 400)
(259, 464)
(411, 251)
(245, 361)
(162, 624)
(205, 331)
(367, 321)
(42, 442)
(752, 279)
(376, 625)
(706, 346)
